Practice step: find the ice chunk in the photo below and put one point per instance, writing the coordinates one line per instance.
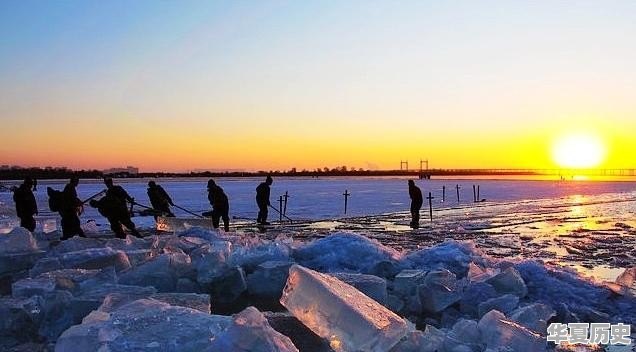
(463, 336)
(450, 255)
(186, 285)
(72, 280)
(385, 268)
(534, 316)
(75, 244)
(509, 281)
(250, 332)
(186, 244)
(627, 278)
(504, 304)
(20, 320)
(16, 262)
(405, 286)
(44, 265)
(339, 313)
(8, 224)
(200, 302)
(431, 340)
(439, 290)
(95, 258)
(497, 332)
(144, 325)
(474, 294)
(211, 262)
(479, 274)
(251, 255)
(344, 252)
(161, 272)
(28, 287)
(19, 240)
(406, 281)
(269, 278)
(230, 286)
(98, 297)
(394, 303)
(59, 313)
(372, 286)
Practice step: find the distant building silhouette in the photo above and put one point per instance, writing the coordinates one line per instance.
(128, 170)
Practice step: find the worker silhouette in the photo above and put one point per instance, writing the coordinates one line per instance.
(25, 205)
(416, 204)
(262, 200)
(220, 206)
(116, 211)
(70, 209)
(159, 199)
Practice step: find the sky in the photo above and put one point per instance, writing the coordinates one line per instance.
(271, 85)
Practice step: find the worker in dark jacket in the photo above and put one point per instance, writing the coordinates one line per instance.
(70, 209)
(115, 205)
(416, 204)
(25, 205)
(220, 206)
(262, 200)
(159, 199)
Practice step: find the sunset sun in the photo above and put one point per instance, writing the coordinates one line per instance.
(578, 150)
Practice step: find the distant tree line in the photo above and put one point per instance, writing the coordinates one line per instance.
(17, 173)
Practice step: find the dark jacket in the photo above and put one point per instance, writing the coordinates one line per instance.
(158, 196)
(416, 197)
(110, 207)
(70, 200)
(120, 193)
(262, 194)
(218, 198)
(25, 204)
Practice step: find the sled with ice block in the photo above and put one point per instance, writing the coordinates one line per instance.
(172, 224)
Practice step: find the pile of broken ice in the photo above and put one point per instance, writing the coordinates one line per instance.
(157, 294)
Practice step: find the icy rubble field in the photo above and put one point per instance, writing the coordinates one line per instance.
(202, 290)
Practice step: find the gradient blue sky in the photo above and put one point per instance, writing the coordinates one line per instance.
(178, 85)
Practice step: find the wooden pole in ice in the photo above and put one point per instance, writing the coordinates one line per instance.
(346, 194)
(443, 194)
(430, 205)
(457, 188)
(280, 208)
(285, 205)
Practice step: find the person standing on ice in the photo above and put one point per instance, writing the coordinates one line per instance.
(159, 199)
(25, 205)
(115, 202)
(70, 210)
(262, 200)
(220, 206)
(416, 204)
